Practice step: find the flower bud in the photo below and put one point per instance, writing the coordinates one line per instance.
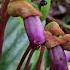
(35, 30)
(58, 59)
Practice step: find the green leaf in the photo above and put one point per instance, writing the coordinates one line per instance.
(34, 59)
(15, 44)
(47, 59)
(45, 9)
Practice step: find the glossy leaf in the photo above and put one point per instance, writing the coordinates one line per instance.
(15, 43)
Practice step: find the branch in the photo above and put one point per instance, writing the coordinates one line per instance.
(23, 58)
(27, 67)
(38, 66)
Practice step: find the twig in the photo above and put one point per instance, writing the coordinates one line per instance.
(38, 66)
(27, 63)
(23, 58)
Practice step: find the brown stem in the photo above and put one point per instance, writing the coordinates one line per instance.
(27, 67)
(23, 58)
(4, 18)
(38, 66)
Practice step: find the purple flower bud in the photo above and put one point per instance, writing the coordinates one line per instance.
(58, 59)
(35, 30)
(67, 53)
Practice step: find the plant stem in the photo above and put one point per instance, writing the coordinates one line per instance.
(27, 67)
(38, 66)
(3, 21)
(23, 58)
